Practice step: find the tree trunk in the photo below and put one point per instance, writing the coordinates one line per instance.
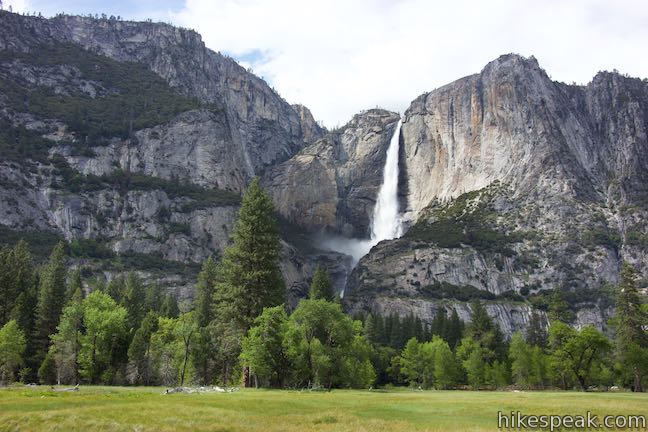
(246, 377)
(637, 380)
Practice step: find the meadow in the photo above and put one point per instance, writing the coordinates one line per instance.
(148, 409)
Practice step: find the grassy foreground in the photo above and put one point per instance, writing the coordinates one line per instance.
(144, 409)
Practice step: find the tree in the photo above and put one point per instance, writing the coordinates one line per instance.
(169, 307)
(454, 330)
(140, 366)
(446, 372)
(521, 360)
(16, 281)
(263, 349)
(12, 347)
(205, 290)
(321, 287)
(134, 299)
(105, 323)
(439, 326)
(205, 349)
(318, 339)
(357, 369)
(559, 308)
(250, 278)
(471, 356)
(51, 298)
(75, 284)
(66, 342)
(488, 334)
(536, 332)
(577, 350)
(185, 331)
(630, 323)
(249, 275)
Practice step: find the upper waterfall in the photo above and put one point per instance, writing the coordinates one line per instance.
(386, 222)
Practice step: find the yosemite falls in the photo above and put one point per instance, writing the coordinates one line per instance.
(386, 221)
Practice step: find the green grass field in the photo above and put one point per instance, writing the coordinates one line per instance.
(144, 409)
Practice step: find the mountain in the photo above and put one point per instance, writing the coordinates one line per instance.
(134, 142)
(516, 185)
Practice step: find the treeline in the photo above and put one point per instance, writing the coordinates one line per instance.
(238, 330)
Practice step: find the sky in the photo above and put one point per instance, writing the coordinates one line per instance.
(339, 57)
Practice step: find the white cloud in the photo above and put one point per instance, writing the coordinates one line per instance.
(341, 56)
(17, 5)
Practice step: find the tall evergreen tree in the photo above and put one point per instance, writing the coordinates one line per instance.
(630, 323)
(454, 330)
(559, 308)
(134, 299)
(51, 298)
(16, 278)
(536, 332)
(439, 322)
(140, 361)
(205, 290)
(169, 308)
(250, 274)
(321, 287)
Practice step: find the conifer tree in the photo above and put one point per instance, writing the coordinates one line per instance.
(558, 307)
(454, 330)
(169, 308)
(536, 332)
(250, 278)
(321, 287)
(66, 342)
(134, 299)
(140, 366)
(630, 323)
(51, 298)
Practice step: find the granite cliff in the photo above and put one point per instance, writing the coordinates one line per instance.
(133, 142)
(516, 185)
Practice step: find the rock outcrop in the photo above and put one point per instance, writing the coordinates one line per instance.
(331, 185)
(517, 185)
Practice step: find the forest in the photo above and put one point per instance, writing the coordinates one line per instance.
(57, 328)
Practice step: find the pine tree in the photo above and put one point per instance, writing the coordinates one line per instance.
(140, 366)
(16, 278)
(51, 298)
(629, 322)
(153, 298)
(439, 322)
(454, 330)
(536, 332)
(321, 287)
(250, 278)
(558, 308)
(169, 308)
(205, 290)
(74, 284)
(134, 299)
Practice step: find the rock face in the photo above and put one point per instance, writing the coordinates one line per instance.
(517, 185)
(331, 185)
(261, 126)
(512, 184)
(171, 206)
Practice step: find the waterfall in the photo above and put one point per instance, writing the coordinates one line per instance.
(386, 222)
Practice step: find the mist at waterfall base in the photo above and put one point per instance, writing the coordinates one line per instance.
(386, 222)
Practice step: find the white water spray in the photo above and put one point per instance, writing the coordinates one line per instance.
(386, 221)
